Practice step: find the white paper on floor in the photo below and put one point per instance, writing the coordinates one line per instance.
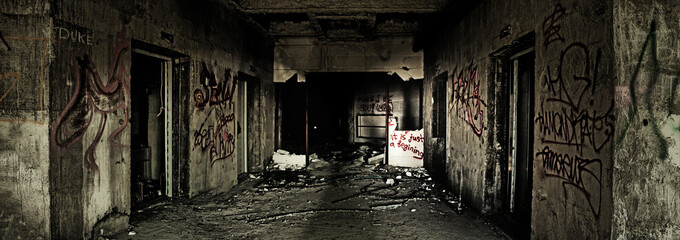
(406, 148)
(288, 161)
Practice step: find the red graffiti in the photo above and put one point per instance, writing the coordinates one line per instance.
(406, 141)
(92, 96)
(466, 97)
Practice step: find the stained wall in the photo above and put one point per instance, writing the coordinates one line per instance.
(647, 154)
(574, 114)
(67, 66)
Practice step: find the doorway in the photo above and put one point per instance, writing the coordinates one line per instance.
(514, 71)
(521, 136)
(292, 118)
(151, 147)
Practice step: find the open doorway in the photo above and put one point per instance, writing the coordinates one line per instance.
(521, 136)
(516, 72)
(292, 118)
(151, 150)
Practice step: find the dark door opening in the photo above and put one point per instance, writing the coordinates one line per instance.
(330, 101)
(522, 170)
(292, 119)
(148, 129)
(514, 67)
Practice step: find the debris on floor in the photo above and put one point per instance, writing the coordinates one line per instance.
(340, 195)
(285, 160)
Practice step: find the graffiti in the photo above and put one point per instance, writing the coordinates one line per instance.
(217, 139)
(93, 96)
(16, 76)
(649, 45)
(573, 170)
(375, 103)
(568, 86)
(73, 35)
(551, 26)
(576, 127)
(199, 98)
(406, 148)
(408, 141)
(466, 96)
(217, 92)
(574, 115)
(2, 37)
(574, 123)
(25, 97)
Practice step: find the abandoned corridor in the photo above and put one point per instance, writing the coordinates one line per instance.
(340, 119)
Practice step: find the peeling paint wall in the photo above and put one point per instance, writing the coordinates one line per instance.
(388, 54)
(574, 110)
(24, 153)
(647, 154)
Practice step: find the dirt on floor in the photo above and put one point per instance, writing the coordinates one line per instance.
(334, 199)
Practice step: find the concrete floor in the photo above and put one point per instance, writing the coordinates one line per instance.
(330, 200)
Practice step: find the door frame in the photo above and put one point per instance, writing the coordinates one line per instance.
(502, 83)
(166, 73)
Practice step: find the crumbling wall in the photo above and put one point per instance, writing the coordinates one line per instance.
(573, 115)
(647, 154)
(24, 154)
(90, 101)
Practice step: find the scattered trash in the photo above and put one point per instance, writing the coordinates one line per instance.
(252, 176)
(398, 177)
(389, 181)
(409, 174)
(413, 210)
(285, 160)
(389, 206)
(376, 159)
(132, 233)
(283, 152)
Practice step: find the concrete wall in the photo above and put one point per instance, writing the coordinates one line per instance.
(24, 138)
(65, 113)
(647, 155)
(387, 54)
(574, 116)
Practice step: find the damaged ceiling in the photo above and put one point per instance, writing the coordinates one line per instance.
(340, 19)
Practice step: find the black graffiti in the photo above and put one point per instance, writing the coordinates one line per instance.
(578, 128)
(551, 26)
(568, 86)
(575, 123)
(5, 42)
(375, 103)
(217, 92)
(572, 170)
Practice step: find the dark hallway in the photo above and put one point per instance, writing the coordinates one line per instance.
(339, 119)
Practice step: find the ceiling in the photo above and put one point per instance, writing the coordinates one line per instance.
(340, 20)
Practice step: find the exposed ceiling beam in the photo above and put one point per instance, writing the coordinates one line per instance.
(341, 10)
